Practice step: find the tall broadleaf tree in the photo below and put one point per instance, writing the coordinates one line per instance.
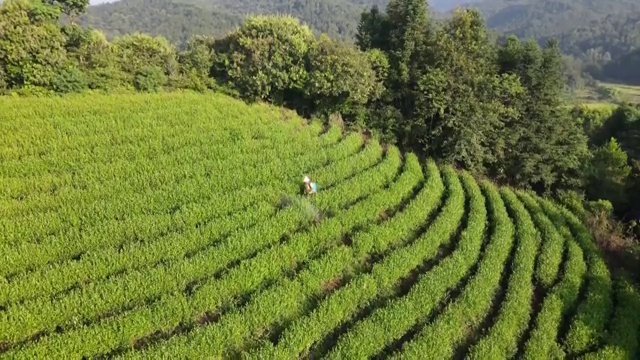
(546, 147)
(458, 108)
(403, 33)
(265, 58)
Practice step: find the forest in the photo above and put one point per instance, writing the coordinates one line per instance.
(446, 88)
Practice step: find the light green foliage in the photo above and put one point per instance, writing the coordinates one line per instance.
(624, 329)
(88, 48)
(380, 65)
(137, 51)
(592, 118)
(197, 58)
(31, 43)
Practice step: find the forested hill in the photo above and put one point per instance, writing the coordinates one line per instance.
(178, 19)
(603, 35)
(524, 18)
(174, 20)
(535, 18)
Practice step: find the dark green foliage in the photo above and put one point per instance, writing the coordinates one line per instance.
(402, 33)
(383, 119)
(457, 99)
(607, 173)
(177, 21)
(340, 77)
(107, 79)
(495, 112)
(546, 147)
(150, 79)
(625, 68)
(373, 30)
(69, 80)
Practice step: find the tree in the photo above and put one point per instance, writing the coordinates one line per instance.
(138, 51)
(546, 147)
(89, 48)
(149, 79)
(458, 106)
(72, 8)
(340, 77)
(408, 37)
(373, 30)
(265, 58)
(31, 43)
(198, 56)
(607, 173)
(403, 34)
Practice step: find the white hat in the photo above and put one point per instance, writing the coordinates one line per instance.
(306, 179)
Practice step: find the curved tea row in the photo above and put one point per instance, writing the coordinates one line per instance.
(179, 231)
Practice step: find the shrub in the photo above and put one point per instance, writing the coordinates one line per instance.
(150, 79)
(69, 80)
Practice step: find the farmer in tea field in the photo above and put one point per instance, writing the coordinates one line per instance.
(309, 187)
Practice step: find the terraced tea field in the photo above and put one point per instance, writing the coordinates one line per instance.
(172, 226)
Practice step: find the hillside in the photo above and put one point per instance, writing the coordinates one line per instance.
(172, 225)
(177, 19)
(537, 19)
(596, 32)
(174, 18)
(602, 34)
(525, 18)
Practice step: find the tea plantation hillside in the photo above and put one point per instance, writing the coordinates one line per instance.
(173, 226)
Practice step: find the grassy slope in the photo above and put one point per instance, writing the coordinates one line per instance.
(597, 97)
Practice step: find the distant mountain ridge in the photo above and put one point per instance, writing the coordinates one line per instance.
(178, 19)
(531, 18)
(579, 24)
